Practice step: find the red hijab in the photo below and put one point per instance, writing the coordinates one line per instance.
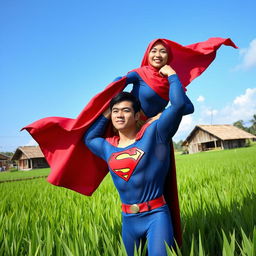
(188, 61)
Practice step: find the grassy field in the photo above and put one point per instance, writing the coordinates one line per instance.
(217, 193)
(14, 175)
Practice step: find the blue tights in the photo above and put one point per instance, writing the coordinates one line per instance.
(154, 226)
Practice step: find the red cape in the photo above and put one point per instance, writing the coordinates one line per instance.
(72, 164)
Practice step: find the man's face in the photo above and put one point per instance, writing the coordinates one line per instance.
(122, 116)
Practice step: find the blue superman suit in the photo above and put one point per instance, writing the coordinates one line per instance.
(140, 176)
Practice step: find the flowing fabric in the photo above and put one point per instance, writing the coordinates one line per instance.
(72, 164)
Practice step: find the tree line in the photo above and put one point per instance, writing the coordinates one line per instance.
(251, 128)
(10, 154)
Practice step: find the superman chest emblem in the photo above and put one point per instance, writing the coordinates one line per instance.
(124, 163)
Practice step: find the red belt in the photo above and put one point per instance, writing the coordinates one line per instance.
(144, 207)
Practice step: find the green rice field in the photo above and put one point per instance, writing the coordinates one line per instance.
(217, 192)
(16, 175)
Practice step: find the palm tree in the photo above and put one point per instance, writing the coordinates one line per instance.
(253, 126)
(239, 124)
(253, 121)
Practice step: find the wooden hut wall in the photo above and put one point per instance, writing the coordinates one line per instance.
(23, 156)
(228, 144)
(200, 137)
(39, 163)
(24, 164)
(3, 163)
(193, 148)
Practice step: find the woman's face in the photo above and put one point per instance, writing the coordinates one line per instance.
(158, 56)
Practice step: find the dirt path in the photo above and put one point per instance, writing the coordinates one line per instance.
(28, 178)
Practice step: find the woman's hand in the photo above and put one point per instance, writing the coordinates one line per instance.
(166, 70)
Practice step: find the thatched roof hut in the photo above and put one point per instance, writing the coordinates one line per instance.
(206, 137)
(4, 161)
(30, 157)
(4, 157)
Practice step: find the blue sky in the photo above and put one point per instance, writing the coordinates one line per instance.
(56, 55)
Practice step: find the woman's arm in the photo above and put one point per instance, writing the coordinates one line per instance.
(189, 107)
(131, 78)
(170, 119)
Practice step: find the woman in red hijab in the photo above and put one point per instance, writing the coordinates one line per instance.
(149, 85)
(151, 88)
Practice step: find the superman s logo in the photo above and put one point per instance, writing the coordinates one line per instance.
(123, 163)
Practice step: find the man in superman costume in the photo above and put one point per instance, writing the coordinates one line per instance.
(72, 164)
(139, 162)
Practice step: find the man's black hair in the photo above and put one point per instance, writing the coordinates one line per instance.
(126, 96)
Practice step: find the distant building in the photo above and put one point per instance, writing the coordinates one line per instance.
(207, 137)
(4, 162)
(30, 157)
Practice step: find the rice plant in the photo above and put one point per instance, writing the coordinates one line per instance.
(217, 192)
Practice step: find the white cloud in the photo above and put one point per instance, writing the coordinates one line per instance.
(32, 142)
(186, 123)
(246, 98)
(201, 98)
(249, 57)
(186, 126)
(243, 107)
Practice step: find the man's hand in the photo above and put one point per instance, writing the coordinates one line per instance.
(166, 70)
(107, 113)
